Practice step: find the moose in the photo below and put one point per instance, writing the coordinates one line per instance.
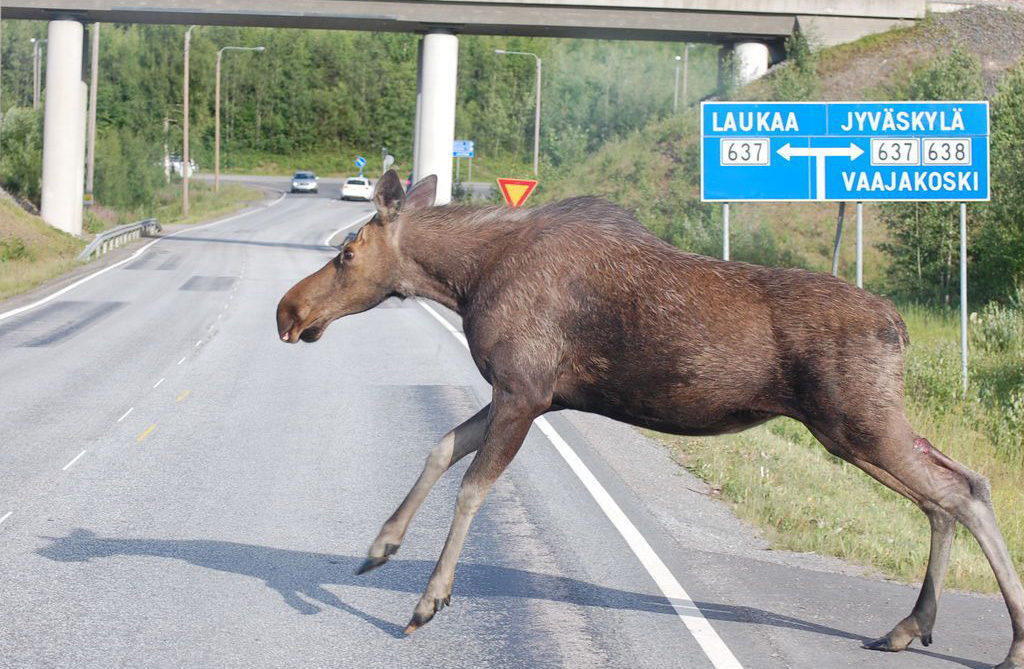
(575, 304)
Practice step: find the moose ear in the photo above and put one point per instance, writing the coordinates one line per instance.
(422, 194)
(388, 196)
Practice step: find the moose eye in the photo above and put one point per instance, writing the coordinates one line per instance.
(347, 254)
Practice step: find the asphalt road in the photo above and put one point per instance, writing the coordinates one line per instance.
(178, 488)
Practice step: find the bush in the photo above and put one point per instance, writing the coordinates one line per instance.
(13, 248)
(797, 78)
(21, 153)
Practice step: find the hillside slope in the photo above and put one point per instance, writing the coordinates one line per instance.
(656, 171)
(30, 250)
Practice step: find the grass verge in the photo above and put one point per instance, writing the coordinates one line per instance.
(30, 250)
(780, 479)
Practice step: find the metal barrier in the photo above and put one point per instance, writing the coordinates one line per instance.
(122, 234)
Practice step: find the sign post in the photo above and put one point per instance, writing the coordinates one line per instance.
(848, 151)
(462, 148)
(360, 163)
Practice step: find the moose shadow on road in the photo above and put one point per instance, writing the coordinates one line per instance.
(300, 578)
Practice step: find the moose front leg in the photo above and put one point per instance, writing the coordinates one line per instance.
(454, 446)
(510, 422)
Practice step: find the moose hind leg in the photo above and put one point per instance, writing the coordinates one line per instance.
(965, 495)
(458, 443)
(922, 618)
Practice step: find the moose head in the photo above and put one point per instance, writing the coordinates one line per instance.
(366, 271)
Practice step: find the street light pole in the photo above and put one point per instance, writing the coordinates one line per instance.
(37, 70)
(90, 160)
(216, 104)
(185, 171)
(686, 71)
(675, 88)
(536, 114)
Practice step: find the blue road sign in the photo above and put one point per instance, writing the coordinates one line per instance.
(786, 151)
(360, 162)
(462, 148)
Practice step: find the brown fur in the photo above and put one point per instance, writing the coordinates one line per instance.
(577, 305)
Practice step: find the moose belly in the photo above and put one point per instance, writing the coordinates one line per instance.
(686, 411)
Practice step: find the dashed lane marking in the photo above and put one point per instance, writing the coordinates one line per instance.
(125, 414)
(183, 396)
(183, 359)
(73, 461)
(5, 517)
(145, 433)
(159, 382)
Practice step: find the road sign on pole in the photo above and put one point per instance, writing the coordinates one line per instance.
(360, 162)
(516, 191)
(462, 148)
(785, 151)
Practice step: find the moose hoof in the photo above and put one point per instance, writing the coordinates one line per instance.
(926, 640)
(883, 644)
(421, 619)
(374, 562)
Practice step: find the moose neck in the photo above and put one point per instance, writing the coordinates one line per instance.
(444, 250)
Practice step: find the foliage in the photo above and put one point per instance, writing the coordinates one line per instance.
(21, 153)
(924, 236)
(798, 78)
(998, 262)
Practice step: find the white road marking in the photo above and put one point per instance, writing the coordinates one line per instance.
(183, 359)
(5, 517)
(125, 414)
(65, 289)
(159, 382)
(699, 626)
(198, 343)
(73, 461)
(358, 221)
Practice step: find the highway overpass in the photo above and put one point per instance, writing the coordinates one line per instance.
(754, 29)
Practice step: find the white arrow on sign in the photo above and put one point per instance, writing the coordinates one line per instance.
(819, 153)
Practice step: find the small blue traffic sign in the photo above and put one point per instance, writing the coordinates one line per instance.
(779, 151)
(462, 148)
(360, 162)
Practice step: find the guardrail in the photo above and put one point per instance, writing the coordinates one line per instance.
(122, 234)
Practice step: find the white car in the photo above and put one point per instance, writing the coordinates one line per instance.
(357, 188)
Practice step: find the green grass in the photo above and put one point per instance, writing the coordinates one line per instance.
(30, 250)
(781, 480)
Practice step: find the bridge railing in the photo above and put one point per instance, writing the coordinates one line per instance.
(115, 237)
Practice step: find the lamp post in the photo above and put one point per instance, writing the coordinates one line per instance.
(185, 170)
(216, 104)
(536, 115)
(37, 69)
(685, 58)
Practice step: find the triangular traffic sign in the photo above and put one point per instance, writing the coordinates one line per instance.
(516, 191)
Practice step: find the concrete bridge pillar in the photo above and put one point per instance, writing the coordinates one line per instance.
(751, 61)
(435, 110)
(745, 61)
(64, 128)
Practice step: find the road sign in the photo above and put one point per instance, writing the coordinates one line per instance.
(844, 151)
(360, 162)
(516, 191)
(462, 148)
